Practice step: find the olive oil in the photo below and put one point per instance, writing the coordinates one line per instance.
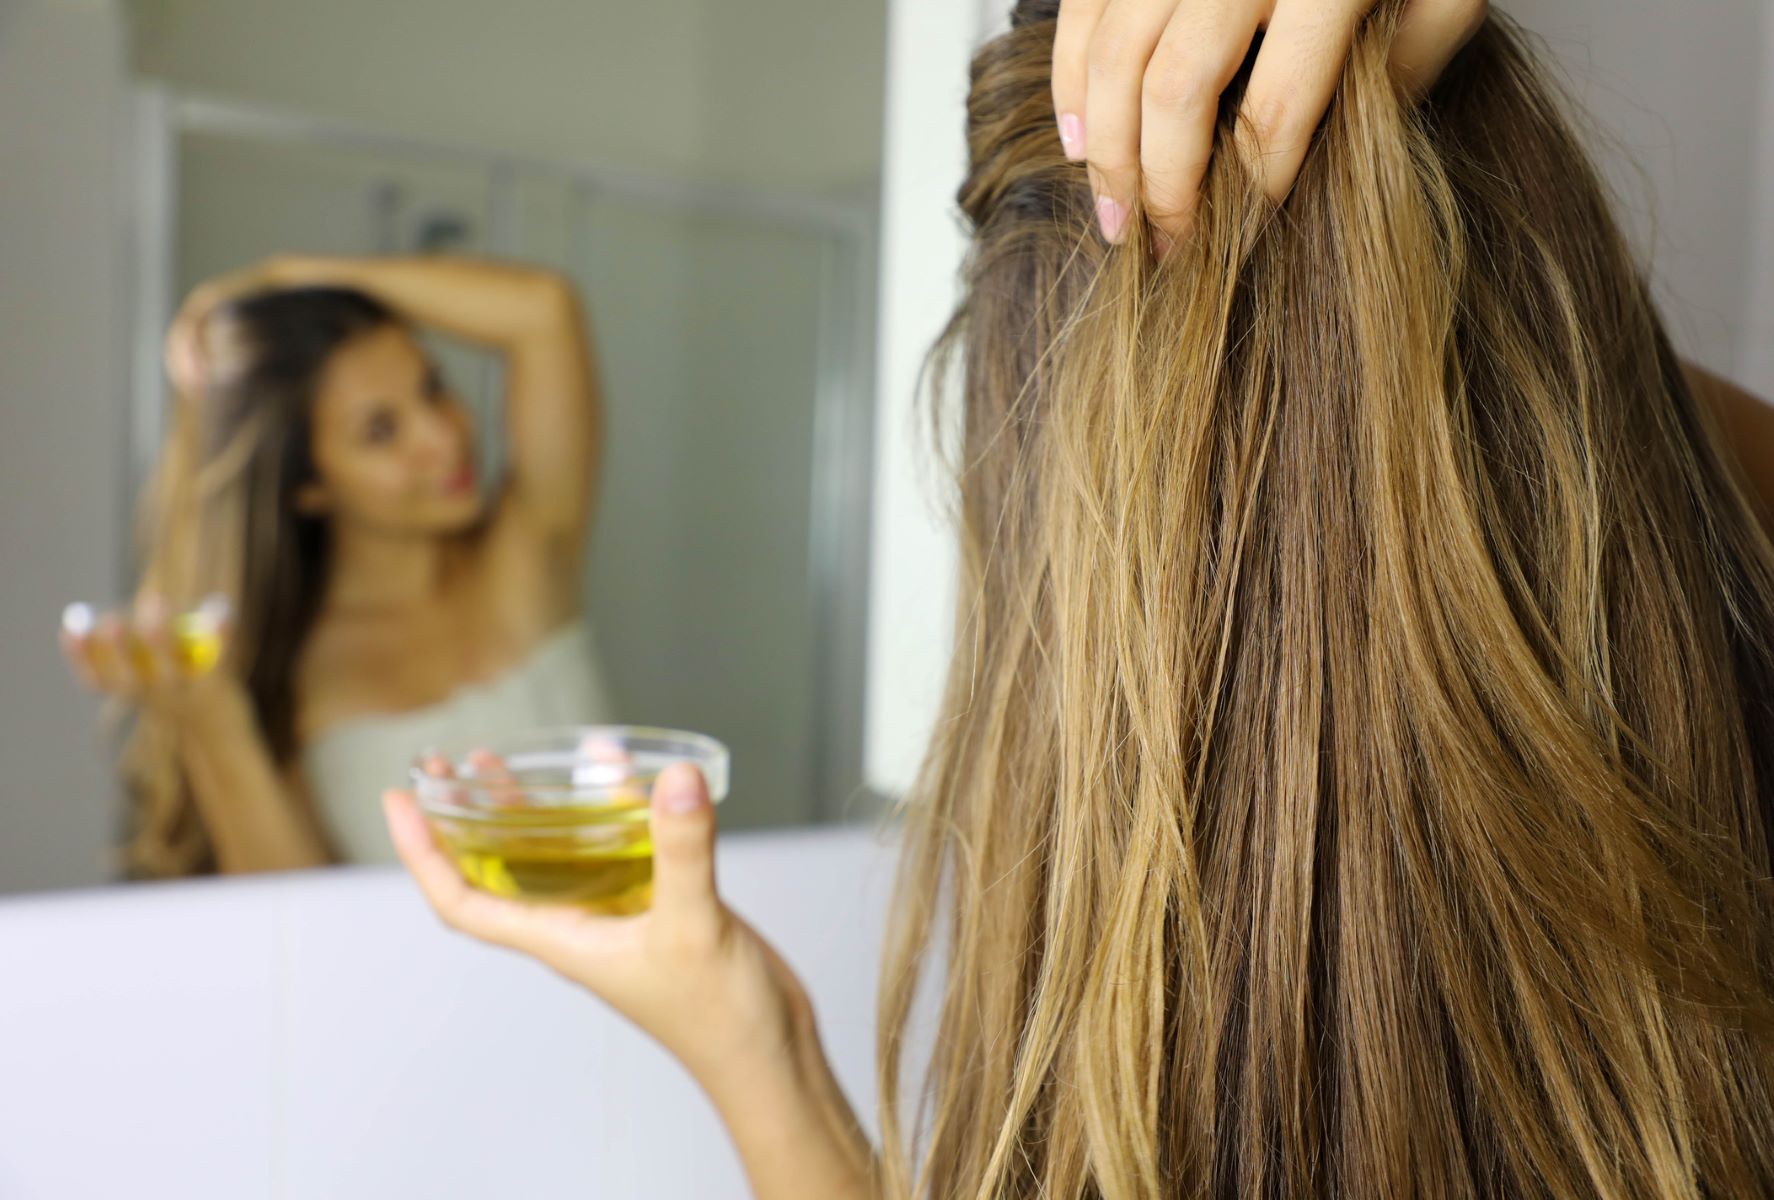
(196, 642)
(195, 635)
(196, 647)
(598, 858)
(559, 816)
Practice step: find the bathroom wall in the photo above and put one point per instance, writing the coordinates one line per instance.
(684, 86)
(1757, 352)
(62, 419)
(1683, 115)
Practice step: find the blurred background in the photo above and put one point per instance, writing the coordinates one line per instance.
(721, 230)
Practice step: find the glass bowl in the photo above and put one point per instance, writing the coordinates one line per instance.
(560, 815)
(196, 633)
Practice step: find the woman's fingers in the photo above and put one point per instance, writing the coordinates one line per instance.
(152, 649)
(1115, 65)
(490, 770)
(1430, 33)
(74, 637)
(111, 653)
(1201, 49)
(686, 905)
(605, 762)
(1071, 49)
(1304, 49)
(436, 765)
(1137, 84)
(461, 906)
(184, 362)
(1145, 77)
(125, 657)
(74, 650)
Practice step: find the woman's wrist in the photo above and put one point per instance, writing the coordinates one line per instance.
(216, 707)
(794, 1130)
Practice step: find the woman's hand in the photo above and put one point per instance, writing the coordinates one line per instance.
(1137, 83)
(688, 971)
(694, 976)
(186, 353)
(134, 656)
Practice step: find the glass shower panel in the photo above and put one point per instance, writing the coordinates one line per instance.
(708, 330)
(241, 198)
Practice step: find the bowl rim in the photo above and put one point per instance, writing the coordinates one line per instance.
(708, 754)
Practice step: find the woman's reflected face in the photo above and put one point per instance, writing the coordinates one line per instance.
(393, 446)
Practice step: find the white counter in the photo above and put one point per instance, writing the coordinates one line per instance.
(320, 1035)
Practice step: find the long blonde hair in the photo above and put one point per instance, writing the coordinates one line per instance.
(1356, 770)
(219, 517)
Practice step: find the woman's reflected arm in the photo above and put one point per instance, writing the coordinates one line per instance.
(247, 806)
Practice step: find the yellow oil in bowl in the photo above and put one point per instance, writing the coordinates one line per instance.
(560, 816)
(598, 859)
(196, 642)
(197, 637)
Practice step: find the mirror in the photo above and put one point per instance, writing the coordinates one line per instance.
(720, 235)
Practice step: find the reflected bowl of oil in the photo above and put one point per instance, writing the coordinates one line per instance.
(195, 635)
(561, 815)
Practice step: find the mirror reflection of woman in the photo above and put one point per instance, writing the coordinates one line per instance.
(321, 475)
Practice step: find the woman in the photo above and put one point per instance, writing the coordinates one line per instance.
(1357, 774)
(321, 476)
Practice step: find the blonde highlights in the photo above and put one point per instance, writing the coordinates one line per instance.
(1356, 771)
(220, 517)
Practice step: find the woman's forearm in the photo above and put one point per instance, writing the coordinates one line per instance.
(795, 1131)
(499, 304)
(244, 805)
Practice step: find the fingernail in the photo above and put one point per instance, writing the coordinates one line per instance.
(679, 792)
(1071, 135)
(1111, 215)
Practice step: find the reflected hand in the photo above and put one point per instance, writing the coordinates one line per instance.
(134, 656)
(186, 351)
(1137, 83)
(689, 971)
